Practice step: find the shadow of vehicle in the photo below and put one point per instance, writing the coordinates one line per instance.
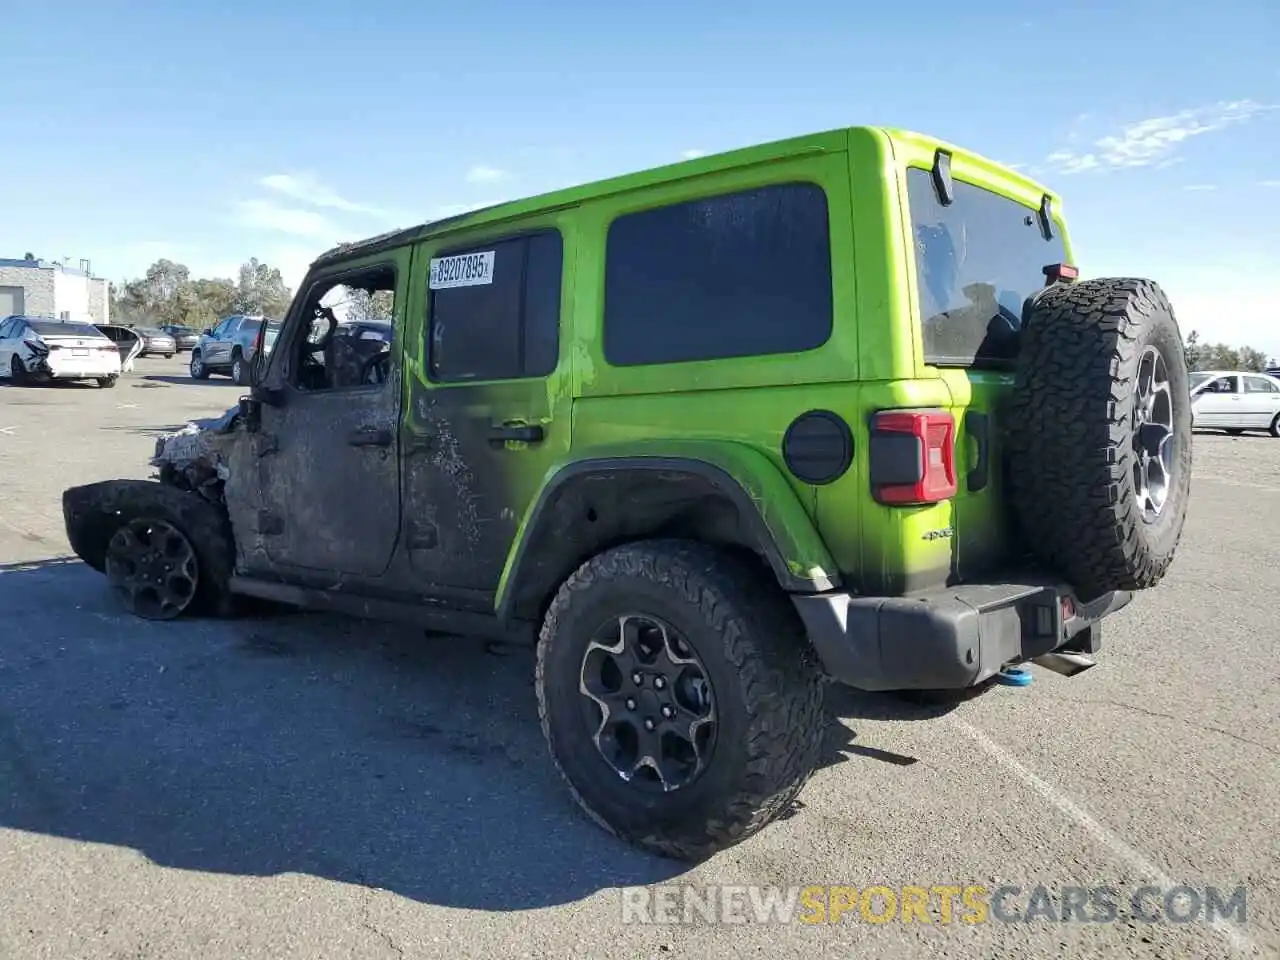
(357, 752)
(346, 750)
(212, 381)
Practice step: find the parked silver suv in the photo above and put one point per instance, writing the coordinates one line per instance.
(228, 347)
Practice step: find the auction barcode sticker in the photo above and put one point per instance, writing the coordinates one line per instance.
(464, 270)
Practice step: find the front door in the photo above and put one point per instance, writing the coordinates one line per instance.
(1218, 404)
(489, 398)
(329, 474)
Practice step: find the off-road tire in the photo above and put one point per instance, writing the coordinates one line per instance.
(1070, 434)
(196, 366)
(766, 682)
(94, 512)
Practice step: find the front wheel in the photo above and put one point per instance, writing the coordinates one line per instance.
(198, 370)
(679, 699)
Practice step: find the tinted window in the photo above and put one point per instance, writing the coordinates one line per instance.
(508, 327)
(745, 274)
(56, 328)
(6, 328)
(977, 262)
(1258, 385)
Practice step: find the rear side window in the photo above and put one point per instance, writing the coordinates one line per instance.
(1258, 385)
(744, 274)
(977, 262)
(495, 309)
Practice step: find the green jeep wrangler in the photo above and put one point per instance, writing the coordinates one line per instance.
(835, 407)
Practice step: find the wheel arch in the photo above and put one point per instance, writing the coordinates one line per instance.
(721, 493)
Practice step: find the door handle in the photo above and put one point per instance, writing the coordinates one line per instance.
(369, 437)
(526, 432)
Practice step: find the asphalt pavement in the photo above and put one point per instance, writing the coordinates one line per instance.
(313, 787)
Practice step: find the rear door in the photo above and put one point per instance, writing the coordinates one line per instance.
(1261, 400)
(489, 396)
(977, 260)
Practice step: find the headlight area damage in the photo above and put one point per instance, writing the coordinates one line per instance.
(166, 544)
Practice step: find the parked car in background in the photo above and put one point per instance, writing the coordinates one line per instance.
(1235, 401)
(156, 342)
(228, 347)
(41, 349)
(185, 338)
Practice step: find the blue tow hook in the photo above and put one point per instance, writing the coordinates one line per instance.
(1014, 677)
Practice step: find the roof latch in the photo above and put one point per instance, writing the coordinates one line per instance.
(1046, 217)
(942, 182)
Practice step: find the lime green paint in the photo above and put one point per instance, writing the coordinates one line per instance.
(785, 517)
(733, 412)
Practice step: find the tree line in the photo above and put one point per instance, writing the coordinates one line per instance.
(1220, 356)
(167, 294)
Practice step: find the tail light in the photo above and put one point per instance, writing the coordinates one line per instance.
(913, 457)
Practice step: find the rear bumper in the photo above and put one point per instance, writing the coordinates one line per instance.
(948, 639)
(98, 363)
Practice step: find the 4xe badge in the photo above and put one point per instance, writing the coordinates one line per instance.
(942, 534)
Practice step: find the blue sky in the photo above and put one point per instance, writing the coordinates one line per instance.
(214, 132)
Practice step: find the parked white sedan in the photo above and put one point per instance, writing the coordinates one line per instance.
(1236, 401)
(40, 349)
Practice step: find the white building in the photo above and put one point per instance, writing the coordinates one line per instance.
(47, 288)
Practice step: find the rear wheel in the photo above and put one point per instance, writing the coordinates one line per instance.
(107, 382)
(679, 699)
(198, 370)
(1275, 426)
(239, 368)
(1100, 434)
(17, 371)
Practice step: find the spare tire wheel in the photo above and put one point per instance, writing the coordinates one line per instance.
(1099, 436)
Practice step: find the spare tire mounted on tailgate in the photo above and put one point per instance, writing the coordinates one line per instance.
(1100, 433)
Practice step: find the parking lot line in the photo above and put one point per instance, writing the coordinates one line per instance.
(1085, 820)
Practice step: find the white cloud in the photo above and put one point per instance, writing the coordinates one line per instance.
(1201, 187)
(310, 190)
(265, 215)
(1269, 183)
(693, 154)
(1153, 142)
(483, 174)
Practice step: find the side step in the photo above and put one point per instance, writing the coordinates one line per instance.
(1067, 664)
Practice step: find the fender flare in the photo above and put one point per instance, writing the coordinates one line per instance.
(778, 525)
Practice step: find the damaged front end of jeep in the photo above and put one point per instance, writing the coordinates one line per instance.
(167, 541)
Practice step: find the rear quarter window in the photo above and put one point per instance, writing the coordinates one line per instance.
(736, 275)
(978, 260)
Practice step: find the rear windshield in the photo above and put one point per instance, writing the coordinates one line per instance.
(977, 260)
(58, 328)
